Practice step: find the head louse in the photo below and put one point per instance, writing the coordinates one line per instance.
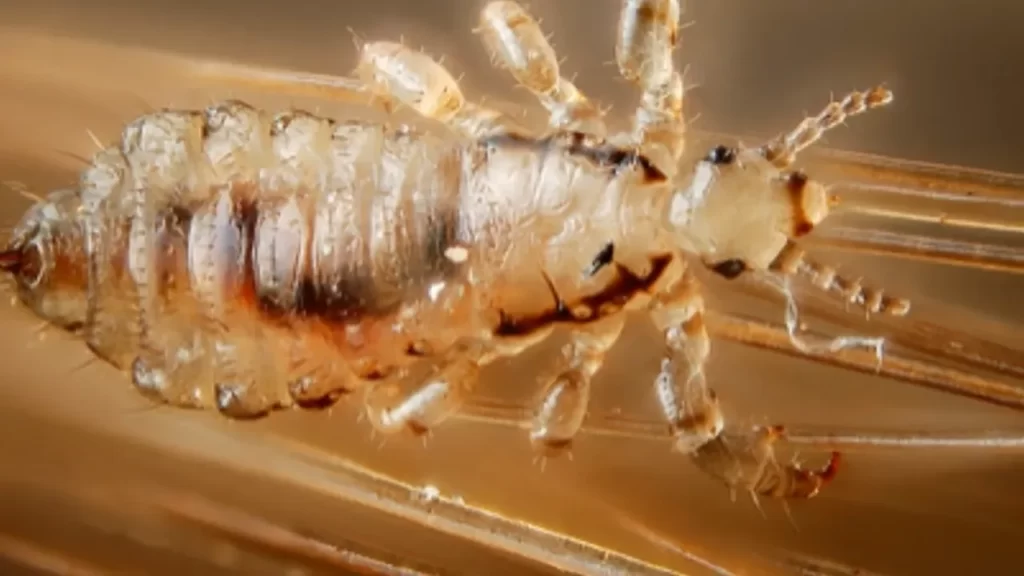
(234, 260)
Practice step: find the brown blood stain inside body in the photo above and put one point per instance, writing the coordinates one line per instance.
(796, 184)
(608, 301)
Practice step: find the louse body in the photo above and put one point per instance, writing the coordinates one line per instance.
(235, 260)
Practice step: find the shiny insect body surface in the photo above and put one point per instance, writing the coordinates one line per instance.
(233, 259)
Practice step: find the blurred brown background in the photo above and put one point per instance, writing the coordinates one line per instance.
(86, 468)
(953, 65)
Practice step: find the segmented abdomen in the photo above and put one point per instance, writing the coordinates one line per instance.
(246, 262)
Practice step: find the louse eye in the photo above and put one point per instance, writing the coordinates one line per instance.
(730, 269)
(721, 155)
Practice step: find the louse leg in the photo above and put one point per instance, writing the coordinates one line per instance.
(247, 207)
(563, 403)
(517, 44)
(387, 73)
(647, 35)
(740, 460)
(397, 73)
(435, 398)
(782, 151)
(689, 406)
(746, 461)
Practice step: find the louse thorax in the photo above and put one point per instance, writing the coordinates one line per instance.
(736, 210)
(538, 212)
(46, 259)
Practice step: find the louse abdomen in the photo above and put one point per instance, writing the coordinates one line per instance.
(249, 270)
(247, 263)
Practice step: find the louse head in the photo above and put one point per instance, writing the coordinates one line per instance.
(736, 210)
(45, 259)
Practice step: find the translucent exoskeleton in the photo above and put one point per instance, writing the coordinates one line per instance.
(232, 259)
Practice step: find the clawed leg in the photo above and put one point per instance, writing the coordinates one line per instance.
(563, 404)
(395, 73)
(435, 398)
(740, 460)
(517, 43)
(782, 151)
(689, 406)
(746, 461)
(647, 36)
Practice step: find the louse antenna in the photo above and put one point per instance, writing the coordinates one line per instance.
(794, 262)
(783, 149)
